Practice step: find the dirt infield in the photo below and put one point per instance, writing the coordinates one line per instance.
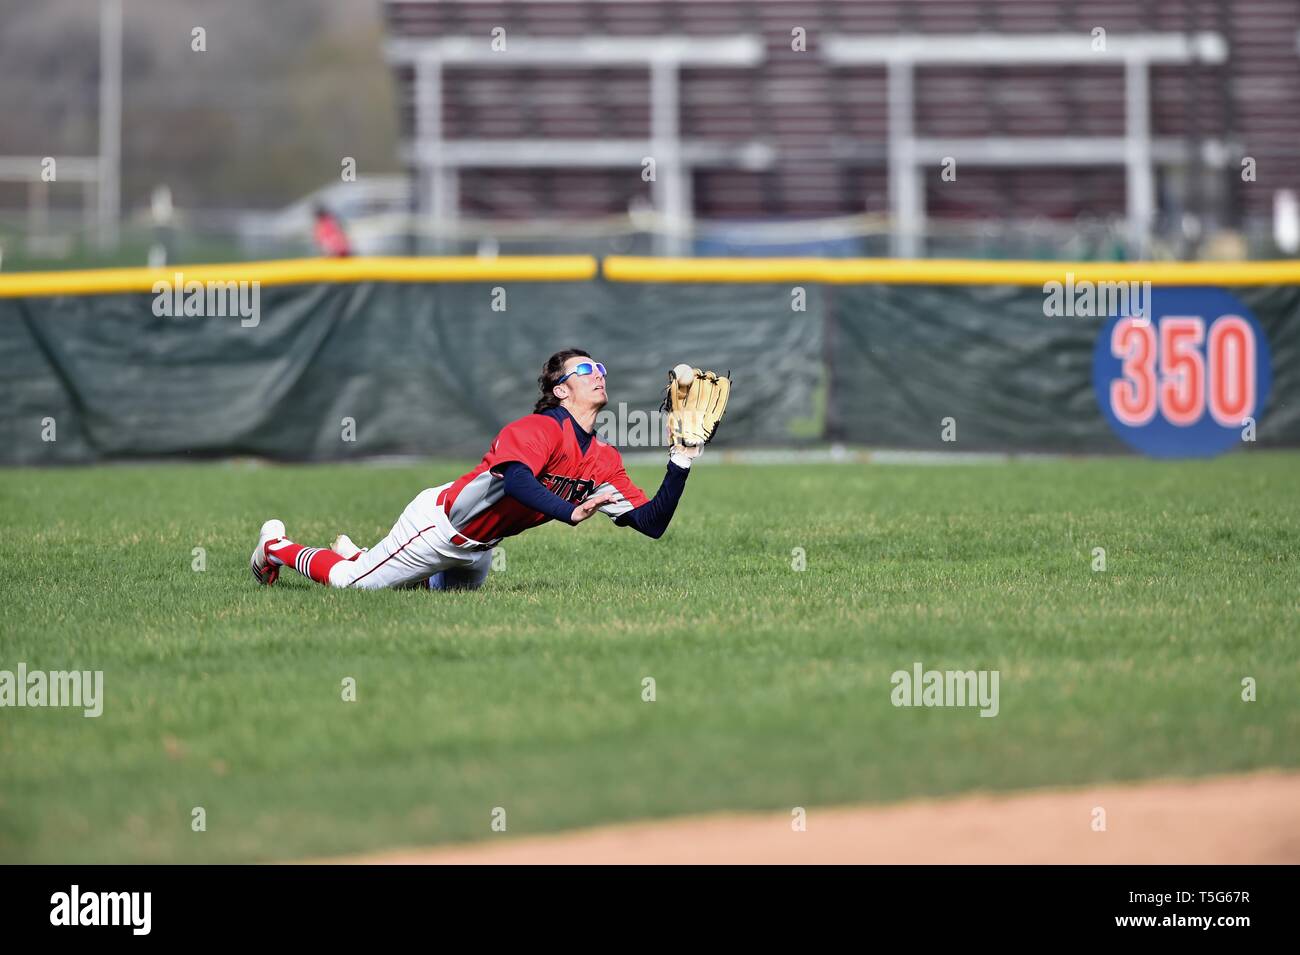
(1238, 819)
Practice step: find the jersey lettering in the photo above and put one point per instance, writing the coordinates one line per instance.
(572, 489)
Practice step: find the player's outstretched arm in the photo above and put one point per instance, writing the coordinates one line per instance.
(653, 517)
(523, 486)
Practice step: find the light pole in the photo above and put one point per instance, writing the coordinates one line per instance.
(110, 120)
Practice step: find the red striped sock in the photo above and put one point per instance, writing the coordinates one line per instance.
(313, 562)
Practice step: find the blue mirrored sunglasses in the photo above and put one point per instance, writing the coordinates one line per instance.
(583, 368)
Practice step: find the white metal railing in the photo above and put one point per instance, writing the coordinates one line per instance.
(439, 159)
(909, 153)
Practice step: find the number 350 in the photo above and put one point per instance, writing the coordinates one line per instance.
(1173, 379)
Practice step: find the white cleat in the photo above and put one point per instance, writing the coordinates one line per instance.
(265, 572)
(344, 547)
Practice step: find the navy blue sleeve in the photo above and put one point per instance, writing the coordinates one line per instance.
(524, 487)
(652, 517)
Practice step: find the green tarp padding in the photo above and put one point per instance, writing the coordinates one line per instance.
(435, 369)
(419, 369)
(903, 358)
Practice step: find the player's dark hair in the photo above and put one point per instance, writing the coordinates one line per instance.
(551, 374)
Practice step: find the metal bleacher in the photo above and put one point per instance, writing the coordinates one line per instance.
(801, 134)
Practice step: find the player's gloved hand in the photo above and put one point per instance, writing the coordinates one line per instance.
(695, 407)
(589, 507)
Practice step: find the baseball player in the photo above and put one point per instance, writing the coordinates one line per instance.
(546, 466)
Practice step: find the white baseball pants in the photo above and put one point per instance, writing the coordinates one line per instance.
(418, 552)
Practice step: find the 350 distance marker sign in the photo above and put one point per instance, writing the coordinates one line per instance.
(1189, 381)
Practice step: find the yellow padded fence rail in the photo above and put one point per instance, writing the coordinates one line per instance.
(578, 268)
(946, 271)
(522, 268)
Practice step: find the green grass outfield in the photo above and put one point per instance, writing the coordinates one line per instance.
(773, 686)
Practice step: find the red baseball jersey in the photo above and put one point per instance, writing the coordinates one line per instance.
(477, 504)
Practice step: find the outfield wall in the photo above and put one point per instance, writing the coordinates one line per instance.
(339, 359)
